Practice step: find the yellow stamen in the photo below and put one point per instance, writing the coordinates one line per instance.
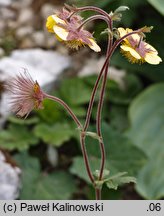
(36, 88)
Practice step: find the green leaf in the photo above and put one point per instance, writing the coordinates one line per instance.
(123, 96)
(79, 170)
(17, 137)
(112, 182)
(118, 117)
(79, 111)
(151, 178)
(75, 91)
(30, 171)
(55, 134)
(43, 186)
(28, 121)
(147, 123)
(104, 176)
(58, 186)
(121, 155)
(146, 115)
(52, 112)
(158, 5)
(119, 179)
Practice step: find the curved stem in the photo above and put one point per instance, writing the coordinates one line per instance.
(98, 122)
(95, 9)
(85, 156)
(92, 8)
(116, 43)
(100, 105)
(93, 97)
(82, 136)
(92, 18)
(108, 55)
(58, 100)
(99, 111)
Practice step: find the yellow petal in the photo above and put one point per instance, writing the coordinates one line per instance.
(94, 45)
(151, 48)
(60, 32)
(152, 58)
(58, 20)
(122, 31)
(131, 50)
(135, 37)
(50, 24)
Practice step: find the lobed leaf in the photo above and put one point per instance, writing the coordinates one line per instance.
(43, 186)
(17, 137)
(55, 134)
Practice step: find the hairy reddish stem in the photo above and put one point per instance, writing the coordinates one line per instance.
(92, 18)
(85, 156)
(82, 137)
(67, 108)
(98, 193)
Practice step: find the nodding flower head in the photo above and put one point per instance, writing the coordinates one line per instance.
(136, 50)
(66, 28)
(26, 94)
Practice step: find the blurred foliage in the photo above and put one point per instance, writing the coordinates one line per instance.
(17, 137)
(158, 4)
(55, 134)
(146, 115)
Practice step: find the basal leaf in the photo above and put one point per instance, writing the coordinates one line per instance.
(30, 169)
(41, 186)
(146, 115)
(75, 91)
(52, 112)
(55, 134)
(121, 154)
(132, 87)
(158, 5)
(17, 137)
(151, 179)
(58, 185)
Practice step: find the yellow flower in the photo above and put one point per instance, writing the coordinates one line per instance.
(68, 33)
(137, 50)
